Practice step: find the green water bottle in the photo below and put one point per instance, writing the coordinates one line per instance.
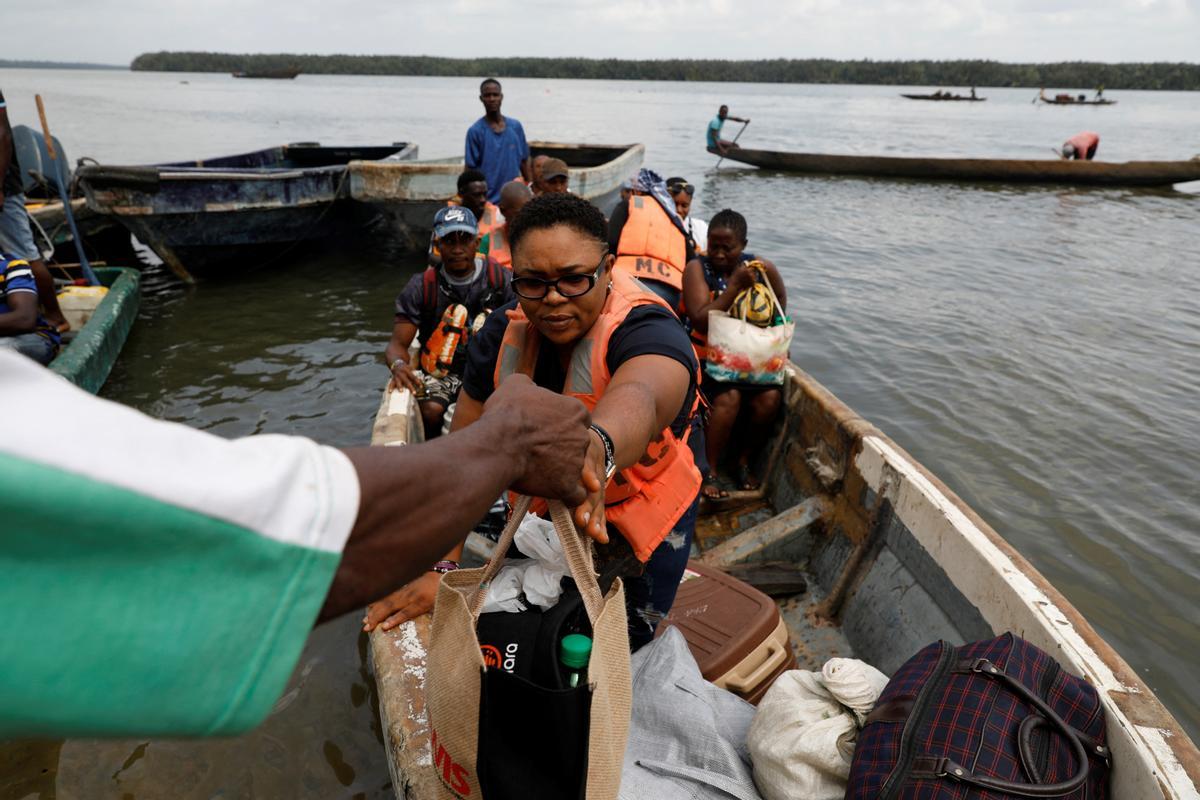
(573, 652)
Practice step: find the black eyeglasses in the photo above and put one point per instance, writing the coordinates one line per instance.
(574, 285)
(676, 188)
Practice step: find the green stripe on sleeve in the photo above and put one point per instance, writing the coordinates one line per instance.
(123, 615)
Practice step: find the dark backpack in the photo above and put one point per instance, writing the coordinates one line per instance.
(996, 719)
(436, 298)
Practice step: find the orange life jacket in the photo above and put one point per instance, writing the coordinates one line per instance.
(651, 247)
(643, 501)
(491, 219)
(437, 354)
(498, 250)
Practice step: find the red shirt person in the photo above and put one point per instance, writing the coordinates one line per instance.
(1082, 146)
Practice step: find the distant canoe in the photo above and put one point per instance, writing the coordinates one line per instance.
(951, 97)
(100, 322)
(409, 193)
(275, 74)
(205, 217)
(1002, 170)
(1063, 100)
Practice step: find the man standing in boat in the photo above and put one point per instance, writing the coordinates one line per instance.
(1081, 147)
(16, 238)
(496, 144)
(715, 143)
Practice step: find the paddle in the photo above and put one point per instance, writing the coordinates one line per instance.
(60, 178)
(739, 135)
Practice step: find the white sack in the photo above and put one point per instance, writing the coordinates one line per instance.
(504, 593)
(802, 738)
(538, 577)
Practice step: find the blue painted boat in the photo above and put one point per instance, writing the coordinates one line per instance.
(232, 213)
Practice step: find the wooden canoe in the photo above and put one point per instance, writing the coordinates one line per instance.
(999, 170)
(408, 194)
(949, 97)
(894, 560)
(100, 324)
(209, 216)
(1070, 101)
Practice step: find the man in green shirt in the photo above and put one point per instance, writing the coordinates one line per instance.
(161, 581)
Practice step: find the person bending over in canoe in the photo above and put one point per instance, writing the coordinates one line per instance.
(587, 331)
(442, 304)
(553, 177)
(696, 229)
(1081, 147)
(22, 328)
(713, 137)
(648, 238)
(496, 144)
(713, 282)
(494, 245)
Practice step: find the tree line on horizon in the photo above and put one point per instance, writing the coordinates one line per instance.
(1070, 74)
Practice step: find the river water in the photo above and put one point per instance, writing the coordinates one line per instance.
(1037, 348)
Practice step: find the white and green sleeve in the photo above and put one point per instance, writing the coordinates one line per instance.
(154, 579)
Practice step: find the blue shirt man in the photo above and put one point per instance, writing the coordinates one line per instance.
(496, 144)
(22, 328)
(713, 140)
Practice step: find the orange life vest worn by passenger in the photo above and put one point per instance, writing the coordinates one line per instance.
(490, 219)
(643, 501)
(651, 246)
(499, 251)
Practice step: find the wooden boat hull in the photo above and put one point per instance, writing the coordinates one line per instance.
(89, 357)
(205, 217)
(1056, 102)
(999, 170)
(895, 560)
(408, 194)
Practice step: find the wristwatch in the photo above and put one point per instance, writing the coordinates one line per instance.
(610, 451)
(444, 566)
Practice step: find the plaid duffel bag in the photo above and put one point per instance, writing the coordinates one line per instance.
(996, 719)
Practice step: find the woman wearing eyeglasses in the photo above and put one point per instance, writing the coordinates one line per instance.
(580, 329)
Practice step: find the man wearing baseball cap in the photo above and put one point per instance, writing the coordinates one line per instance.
(553, 178)
(442, 305)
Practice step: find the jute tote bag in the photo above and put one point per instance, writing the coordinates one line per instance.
(533, 741)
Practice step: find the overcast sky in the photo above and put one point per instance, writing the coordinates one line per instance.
(114, 31)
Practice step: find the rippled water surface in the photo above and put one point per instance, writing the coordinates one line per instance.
(1037, 348)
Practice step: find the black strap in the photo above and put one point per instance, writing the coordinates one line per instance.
(942, 767)
(1025, 745)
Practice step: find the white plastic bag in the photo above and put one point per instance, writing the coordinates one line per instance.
(803, 736)
(538, 577)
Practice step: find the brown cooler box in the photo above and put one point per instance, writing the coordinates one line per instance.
(735, 632)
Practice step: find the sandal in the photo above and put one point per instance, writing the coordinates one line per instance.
(711, 490)
(746, 479)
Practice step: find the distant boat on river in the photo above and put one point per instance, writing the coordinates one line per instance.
(945, 96)
(286, 74)
(1000, 170)
(1063, 99)
(204, 217)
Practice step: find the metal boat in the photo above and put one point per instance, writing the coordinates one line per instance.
(409, 193)
(894, 559)
(234, 212)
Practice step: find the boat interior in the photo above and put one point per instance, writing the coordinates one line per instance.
(579, 156)
(301, 155)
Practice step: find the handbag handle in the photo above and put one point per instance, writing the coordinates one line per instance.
(943, 767)
(578, 556)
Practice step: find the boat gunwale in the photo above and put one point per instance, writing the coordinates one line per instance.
(118, 309)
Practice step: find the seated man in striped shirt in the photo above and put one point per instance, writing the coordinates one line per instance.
(22, 328)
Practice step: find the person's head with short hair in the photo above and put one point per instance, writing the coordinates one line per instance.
(726, 240)
(554, 177)
(513, 197)
(473, 191)
(560, 239)
(681, 192)
(457, 233)
(723, 112)
(491, 95)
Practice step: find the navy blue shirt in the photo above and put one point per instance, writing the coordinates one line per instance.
(648, 330)
(497, 155)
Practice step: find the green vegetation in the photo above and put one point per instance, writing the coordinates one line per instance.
(1074, 74)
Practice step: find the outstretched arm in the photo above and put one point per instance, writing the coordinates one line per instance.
(421, 500)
